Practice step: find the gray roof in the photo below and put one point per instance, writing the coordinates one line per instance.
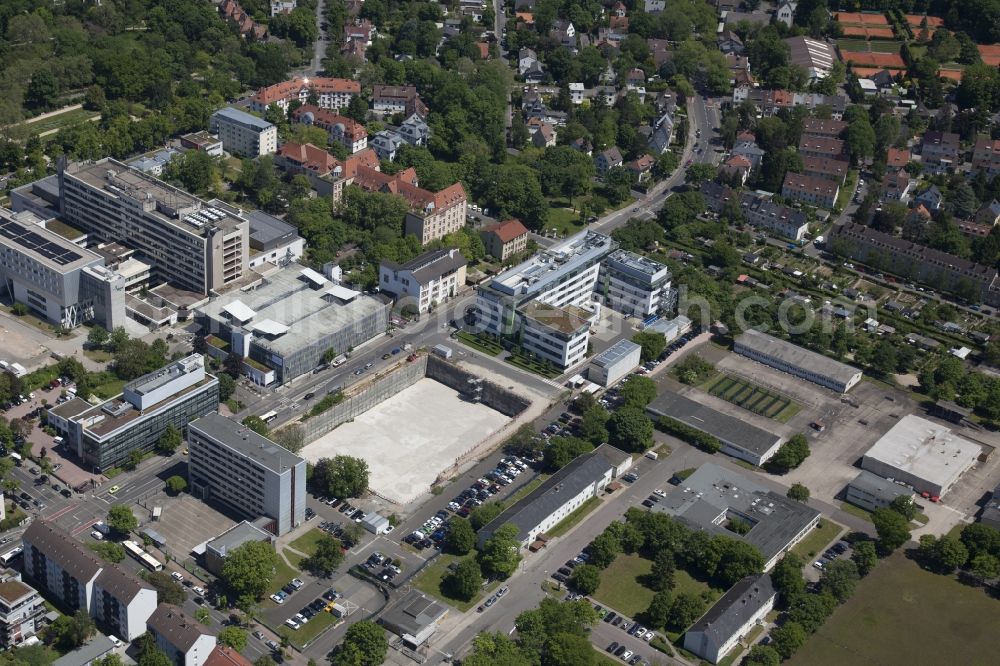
(705, 497)
(243, 118)
(875, 485)
(246, 442)
(267, 231)
(614, 456)
(615, 353)
(726, 428)
(235, 537)
(555, 491)
(413, 614)
(178, 629)
(120, 585)
(736, 606)
(95, 648)
(797, 356)
(430, 265)
(62, 549)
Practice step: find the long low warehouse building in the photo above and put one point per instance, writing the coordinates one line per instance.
(926, 455)
(739, 438)
(797, 361)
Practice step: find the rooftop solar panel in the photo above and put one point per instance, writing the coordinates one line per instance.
(32, 240)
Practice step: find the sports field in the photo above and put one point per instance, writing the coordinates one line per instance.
(753, 398)
(862, 46)
(901, 614)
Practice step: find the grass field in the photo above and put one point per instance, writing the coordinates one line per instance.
(853, 44)
(847, 507)
(622, 591)
(753, 398)
(307, 542)
(61, 120)
(485, 346)
(564, 221)
(574, 518)
(901, 614)
(429, 582)
(818, 539)
(847, 191)
(885, 46)
(310, 630)
(875, 45)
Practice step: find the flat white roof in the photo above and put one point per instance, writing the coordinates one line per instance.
(925, 449)
(343, 293)
(239, 310)
(271, 327)
(314, 277)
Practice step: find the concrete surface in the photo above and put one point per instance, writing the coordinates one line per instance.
(427, 422)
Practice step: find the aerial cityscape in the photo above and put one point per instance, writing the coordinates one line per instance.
(499, 333)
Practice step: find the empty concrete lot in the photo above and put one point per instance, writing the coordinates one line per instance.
(410, 438)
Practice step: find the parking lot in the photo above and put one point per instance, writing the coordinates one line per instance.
(187, 522)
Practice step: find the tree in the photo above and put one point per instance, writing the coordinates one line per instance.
(121, 519)
(256, 424)
(341, 476)
(155, 657)
(864, 557)
(617, 184)
(264, 660)
(787, 576)
(464, 581)
(133, 459)
(167, 589)
(248, 569)
(227, 386)
(839, 579)
(585, 579)
(328, 556)
(561, 450)
(169, 441)
(604, 549)
(811, 610)
(494, 649)
(904, 506)
(233, 637)
(893, 529)
(291, 437)
(97, 336)
(738, 560)
(484, 513)
(204, 616)
(629, 429)
(364, 644)
(860, 139)
(985, 567)
(460, 537)
(945, 554)
(109, 551)
(638, 391)
(566, 649)
(69, 632)
(788, 638)
(657, 614)
(593, 425)
(762, 655)
(501, 554)
(686, 608)
(662, 572)
(791, 454)
(653, 344)
(699, 173)
(176, 484)
(798, 492)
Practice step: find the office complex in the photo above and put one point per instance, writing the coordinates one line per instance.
(426, 281)
(243, 134)
(195, 245)
(871, 491)
(713, 496)
(634, 285)
(330, 93)
(182, 638)
(614, 362)
(732, 617)
(103, 436)
(797, 361)
(21, 609)
(79, 580)
(247, 472)
(283, 327)
(927, 456)
(59, 281)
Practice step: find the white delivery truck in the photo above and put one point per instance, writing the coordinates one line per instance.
(442, 351)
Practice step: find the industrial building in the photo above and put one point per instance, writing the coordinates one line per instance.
(739, 438)
(712, 496)
(184, 639)
(744, 606)
(103, 436)
(59, 281)
(927, 456)
(414, 618)
(871, 491)
(59, 564)
(635, 285)
(284, 326)
(243, 134)
(557, 497)
(425, 281)
(796, 361)
(221, 546)
(21, 610)
(614, 362)
(247, 472)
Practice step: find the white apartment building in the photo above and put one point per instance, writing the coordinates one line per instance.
(248, 472)
(426, 281)
(743, 607)
(781, 220)
(182, 638)
(21, 608)
(243, 134)
(634, 285)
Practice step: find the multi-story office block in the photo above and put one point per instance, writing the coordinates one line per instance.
(193, 244)
(79, 580)
(21, 607)
(248, 472)
(60, 282)
(634, 285)
(243, 134)
(104, 435)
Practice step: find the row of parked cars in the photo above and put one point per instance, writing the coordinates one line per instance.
(317, 606)
(338, 531)
(288, 590)
(389, 570)
(489, 485)
(431, 533)
(832, 553)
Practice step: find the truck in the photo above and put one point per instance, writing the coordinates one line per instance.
(338, 611)
(652, 455)
(442, 351)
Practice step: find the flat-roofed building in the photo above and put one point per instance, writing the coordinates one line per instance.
(739, 438)
(184, 639)
(744, 606)
(60, 282)
(714, 496)
(871, 491)
(924, 454)
(21, 610)
(426, 281)
(194, 244)
(635, 285)
(103, 436)
(414, 618)
(555, 334)
(284, 326)
(249, 473)
(273, 240)
(331, 93)
(797, 361)
(614, 362)
(219, 548)
(244, 134)
(204, 141)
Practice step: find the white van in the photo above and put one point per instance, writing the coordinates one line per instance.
(652, 455)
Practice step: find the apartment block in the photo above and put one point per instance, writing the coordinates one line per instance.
(390, 100)
(634, 285)
(231, 464)
(184, 639)
(196, 245)
(820, 146)
(103, 436)
(350, 134)
(426, 281)
(61, 566)
(505, 239)
(21, 608)
(825, 167)
(781, 220)
(243, 134)
(940, 150)
(823, 127)
(811, 190)
(986, 155)
(329, 93)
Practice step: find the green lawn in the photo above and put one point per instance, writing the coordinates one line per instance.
(307, 542)
(901, 614)
(109, 389)
(564, 221)
(885, 46)
(818, 539)
(567, 523)
(294, 558)
(752, 398)
(283, 574)
(98, 355)
(847, 507)
(310, 630)
(429, 582)
(531, 365)
(485, 346)
(622, 591)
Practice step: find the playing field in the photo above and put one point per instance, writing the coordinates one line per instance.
(753, 398)
(902, 614)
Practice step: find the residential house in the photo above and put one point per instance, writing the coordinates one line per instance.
(660, 51)
(824, 127)
(360, 30)
(349, 133)
(525, 59)
(730, 43)
(897, 158)
(236, 15)
(543, 135)
(716, 196)
(809, 189)
(655, 6)
(989, 214)
(327, 175)
(330, 93)
(741, 609)
(781, 220)
(940, 151)
(386, 144)
(607, 160)
(431, 215)
(576, 92)
(535, 73)
(184, 639)
(825, 167)
(389, 100)
(242, 133)
(563, 32)
(619, 10)
(607, 94)
(883, 81)
(746, 146)
(415, 130)
(282, 7)
(769, 102)
(635, 78)
(818, 146)
(505, 239)
(986, 155)
(641, 168)
(426, 281)
(784, 11)
(974, 229)
(663, 133)
(896, 186)
(931, 198)
(737, 169)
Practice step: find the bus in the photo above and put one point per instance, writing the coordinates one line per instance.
(145, 559)
(269, 416)
(11, 555)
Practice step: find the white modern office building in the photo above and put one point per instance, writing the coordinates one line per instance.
(797, 361)
(232, 464)
(243, 134)
(21, 610)
(614, 362)
(633, 284)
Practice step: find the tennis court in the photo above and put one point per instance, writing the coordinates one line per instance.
(753, 398)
